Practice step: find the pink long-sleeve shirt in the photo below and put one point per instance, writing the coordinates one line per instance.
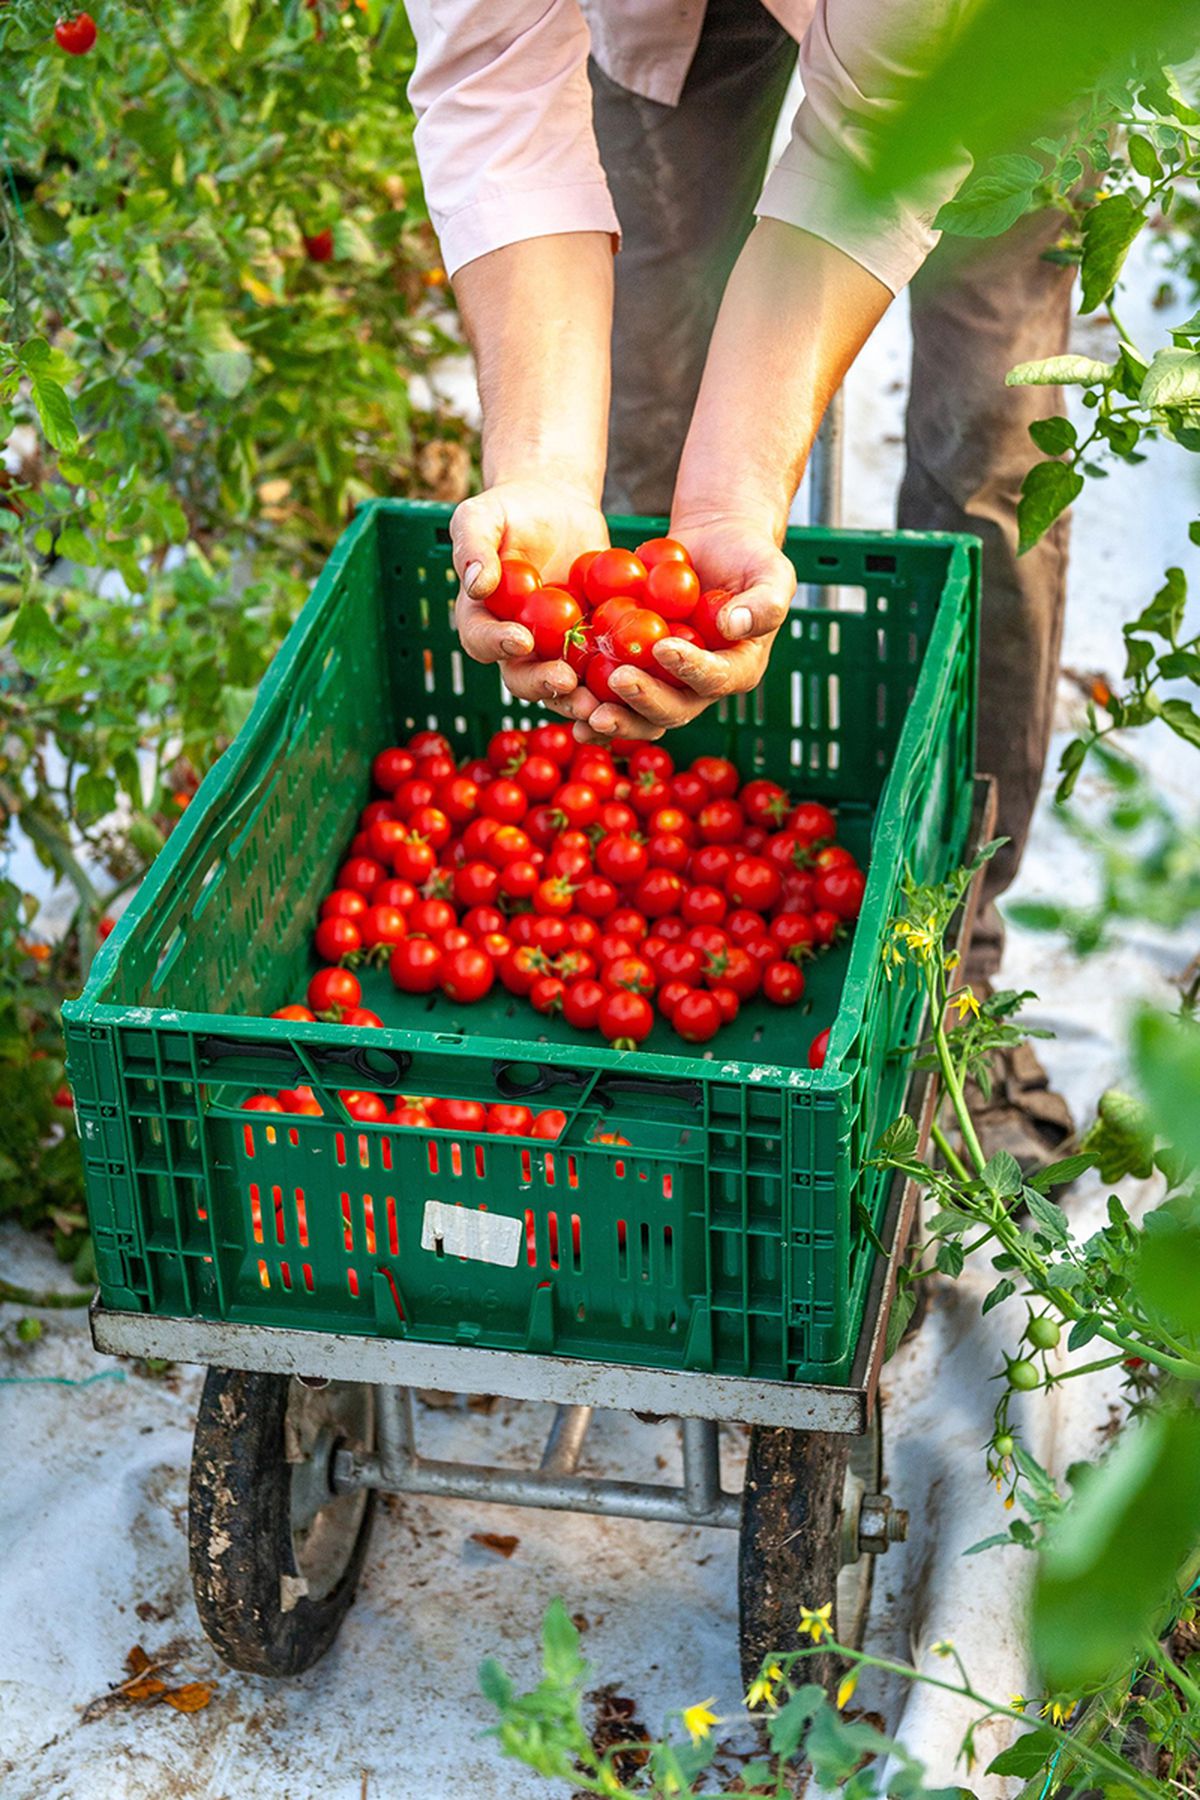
(504, 116)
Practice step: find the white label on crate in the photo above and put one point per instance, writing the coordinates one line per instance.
(463, 1231)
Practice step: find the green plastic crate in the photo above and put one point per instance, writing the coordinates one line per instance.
(728, 1235)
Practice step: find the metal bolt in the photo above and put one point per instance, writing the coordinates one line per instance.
(880, 1524)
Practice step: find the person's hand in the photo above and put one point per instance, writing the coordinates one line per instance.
(547, 522)
(729, 551)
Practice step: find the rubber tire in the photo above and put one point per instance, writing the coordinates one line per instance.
(789, 1545)
(239, 1532)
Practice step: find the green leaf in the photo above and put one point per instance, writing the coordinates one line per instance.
(1180, 665)
(1143, 156)
(1167, 1275)
(54, 412)
(900, 1140)
(1108, 231)
(1036, 915)
(1047, 490)
(1164, 614)
(950, 1259)
(236, 704)
(76, 546)
(1028, 1756)
(1166, 1055)
(1181, 716)
(989, 203)
(1083, 1331)
(1003, 1290)
(237, 21)
(1173, 379)
(1110, 1563)
(560, 1646)
(786, 1728)
(225, 358)
(903, 1307)
(1061, 371)
(1054, 436)
(1121, 1137)
(33, 639)
(1002, 1175)
(351, 243)
(1058, 1174)
(1046, 1215)
(94, 796)
(494, 1683)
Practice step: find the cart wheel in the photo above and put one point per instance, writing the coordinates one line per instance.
(275, 1552)
(813, 1518)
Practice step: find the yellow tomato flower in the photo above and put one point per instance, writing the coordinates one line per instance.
(762, 1688)
(966, 1003)
(1018, 1703)
(699, 1720)
(846, 1687)
(943, 1647)
(817, 1624)
(1059, 1711)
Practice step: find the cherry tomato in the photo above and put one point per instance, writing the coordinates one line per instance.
(743, 924)
(812, 823)
(680, 962)
(318, 245)
(696, 1017)
(549, 1125)
(554, 741)
(826, 926)
(666, 850)
(577, 579)
(382, 925)
(793, 932)
(598, 674)
(568, 863)
(761, 951)
(331, 990)
(616, 816)
(361, 1015)
(554, 897)
(576, 804)
(689, 791)
(361, 873)
(623, 859)
(479, 920)
(507, 750)
(764, 803)
(411, 794)
(672, 589)
(736, 969)
(662, 550)
(628, 922)
(754, 883)
(785, 851)
(478, 835)
(435, 766)
(581, 1003)
(411, 1118)
(416, 966)
(659, 892)
(711, 863)
(478, 769)
(430, 823)
(652, 758)
(391, 767)
(301, 1100)
(504, 845)
(554, 617)
(476, 884)
(452, 939)
(840, 891)
(704, 906)
(497, 944)
(76, 35)
(614, 572)
(709, 940)
(633, 637)
(518, 580)
(728, 1002)
(521, 967)
(546, 994)
(625, 1019)
(674, 820)
(458, 1115)
(506, 1119)
(632, 972)
(467, 974)
(261, 1103)
(596, 897)
(720, 822)
(718, 774)
(344, 903)
(385, 835)
(431, 917)
(296, 1013)
(595, 769)
(782, 983)
(670, 994)
(458, 798)
(648, 795)
(704, 618)
(519, 879)
(414, 860)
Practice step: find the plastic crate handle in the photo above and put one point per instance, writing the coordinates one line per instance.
(353, 1057)
(549, 1076)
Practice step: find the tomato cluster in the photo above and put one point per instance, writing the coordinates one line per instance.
(421, 1111)
(616, 606)
(597, 883)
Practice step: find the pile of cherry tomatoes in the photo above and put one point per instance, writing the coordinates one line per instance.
(616, 606)
(421, 1112)
(602, 884)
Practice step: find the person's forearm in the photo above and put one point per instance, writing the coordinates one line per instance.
(795, 314)
(539, 318)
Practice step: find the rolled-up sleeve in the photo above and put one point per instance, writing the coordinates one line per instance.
(504, 133)
(856, 60)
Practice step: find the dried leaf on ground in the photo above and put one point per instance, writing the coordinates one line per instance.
(500, 1542)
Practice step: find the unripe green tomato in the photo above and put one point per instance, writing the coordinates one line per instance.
(1043, 1333)
(1023, 1374)
(1003, 1445)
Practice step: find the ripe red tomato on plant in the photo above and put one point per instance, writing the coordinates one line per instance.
(331, 990)
(518, 580)
(416, 966)
(782, 983)
(75, 33)
(318, 245)
(612, 573)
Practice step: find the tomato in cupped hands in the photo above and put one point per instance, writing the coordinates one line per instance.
(614, 573)
(662, 550)
(554, 618)
(672, 590)
(518, 580)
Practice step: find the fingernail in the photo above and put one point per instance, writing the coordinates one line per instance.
(739, 622)
(669, 656)
(625, 682)
(471, 575)
(550, 690)
(512, 645)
